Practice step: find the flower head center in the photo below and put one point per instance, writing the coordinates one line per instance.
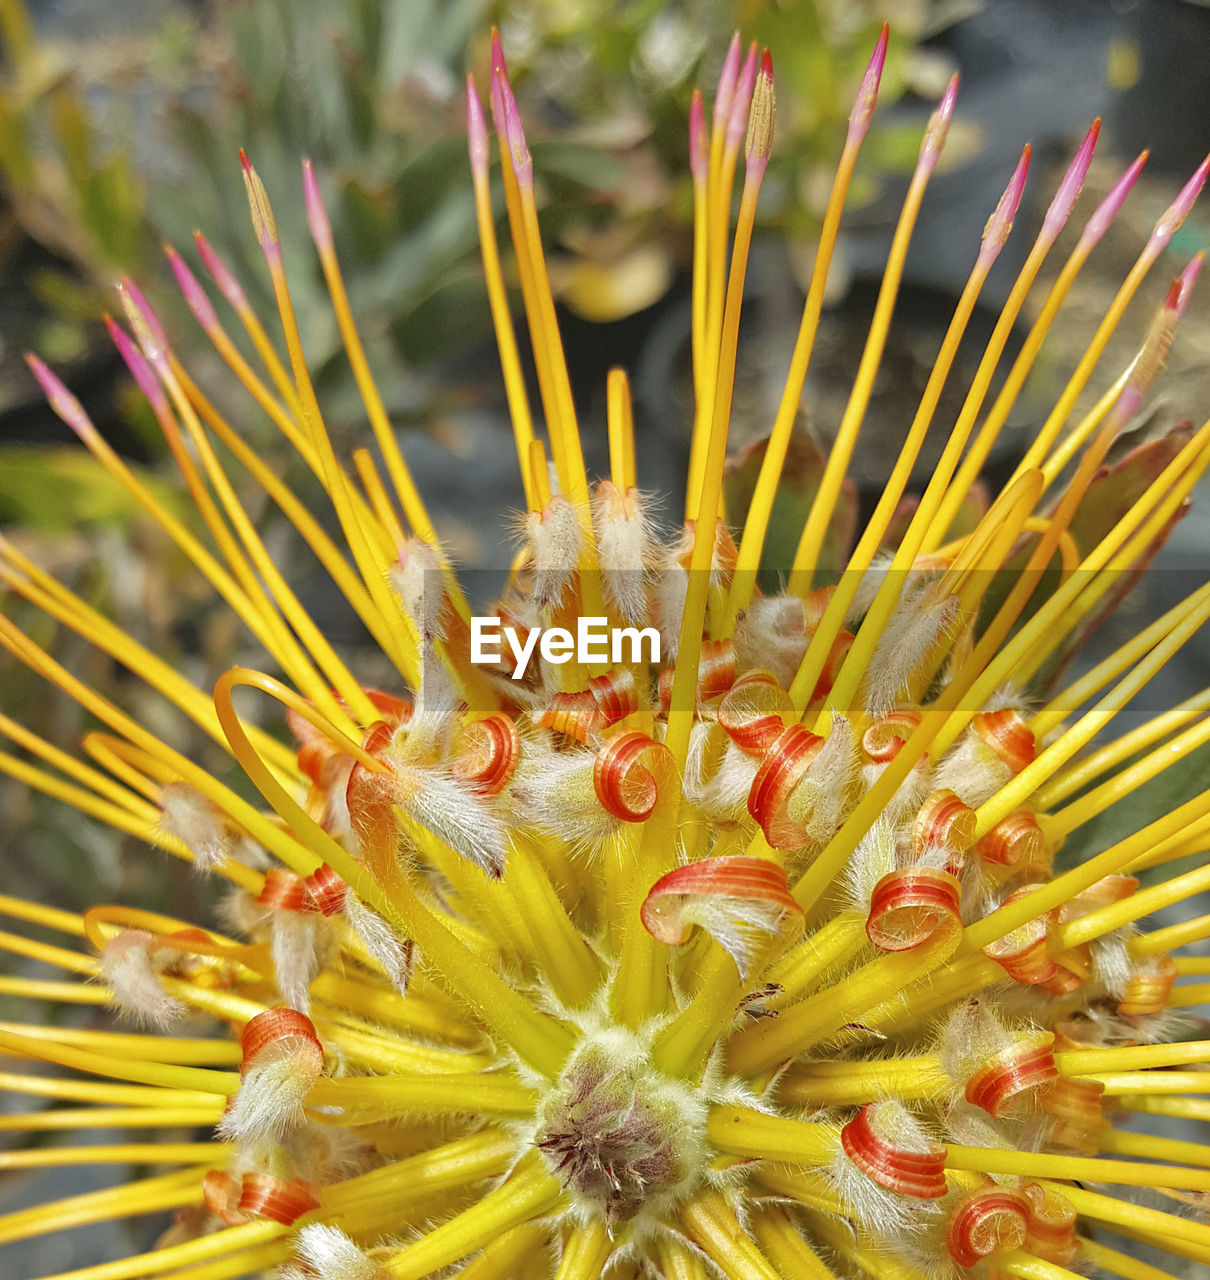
(624, 1139)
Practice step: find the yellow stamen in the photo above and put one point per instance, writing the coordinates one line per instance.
(528, 1192)
(780, 1239)
(147, 1195)
(755, 1135)
(124, 1153)
(295, 511)
(1035, 1164)
(806, 558)
(712, 1225)
(506, 339)
(226, 1241)
(585, 1252)
(707, 497)
(1119, 1264)
(224, 1083)
(620, 417)
(541, 1040)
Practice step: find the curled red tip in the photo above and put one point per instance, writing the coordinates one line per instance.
(766, 64)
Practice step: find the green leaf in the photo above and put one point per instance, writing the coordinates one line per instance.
(60, 490)
(796, 491)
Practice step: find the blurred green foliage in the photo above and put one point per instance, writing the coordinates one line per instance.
(371, 90)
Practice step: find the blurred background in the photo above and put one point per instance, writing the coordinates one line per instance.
(119, 130)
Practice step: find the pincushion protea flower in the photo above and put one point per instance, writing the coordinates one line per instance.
(754, 966)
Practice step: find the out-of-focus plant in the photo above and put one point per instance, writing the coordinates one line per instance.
(610, 86)
(371, 91)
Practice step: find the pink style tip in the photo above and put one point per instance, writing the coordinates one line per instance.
(1001, 222)
(938, 127)
(737, 120)
(867, 94)
(725, 93)
(1176, 213)
(140, 370)
(476, 132)
(317, 215)
(60, 399)
(699, 141)
(498, 63)
(192, 292)
(1072, 184)
(1107, 210)
(1186, 281)
(132, 296)
(220, 273)
(514, 134)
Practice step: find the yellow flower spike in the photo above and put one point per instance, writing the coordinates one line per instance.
(585, 1252)
(711, 1224)
(806, 557)
(968, 473)
(1119, 1264)
(529, 1191)
(149, 1195)
(777, 1234)
(756, 525)
(872, 536)
(706, 498)
(498, 1052)
(1125, 782)
(510, 362)
(621, 431)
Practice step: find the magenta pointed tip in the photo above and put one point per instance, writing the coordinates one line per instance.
(1107, 210)
(1001, 222)
(136, 305)
(938, 127)
(867, 93)
(317, 215)
(192, 292)
(1176, 213)
(220, 273)
(140, 370)
(498, 63)
(147, 329)
(58, 397)
(699, 140)
(726, 83)
(1185, 282)
(737, 121)
(514, 135)
(476, 132)
(1072, 184)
